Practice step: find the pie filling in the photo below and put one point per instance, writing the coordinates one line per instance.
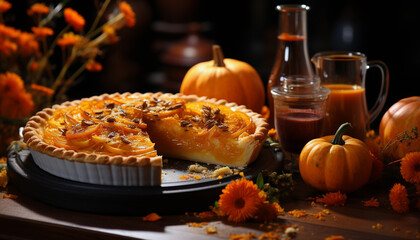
(137, 126)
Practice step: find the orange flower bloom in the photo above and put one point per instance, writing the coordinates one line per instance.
(42, 31)
(9, 31)
(15, 102)
(374, 144)
(272, 133)
(332, 199)
(3, 178)
(129, 15)
(373, 202)
(27, 43)
(240, 200)
(74, 19)
(33, 66)
(265, 112)
(7, 47)
(10, 83)
(93, 66)
(110, 33)
(44, 90)
(39, 8)
(4, 6)
(268, 212)
(410, 167)
(68, 39)
(398, 198)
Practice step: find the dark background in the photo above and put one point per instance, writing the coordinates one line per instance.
(246, 30)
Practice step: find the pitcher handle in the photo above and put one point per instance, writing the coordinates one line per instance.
(383, 92)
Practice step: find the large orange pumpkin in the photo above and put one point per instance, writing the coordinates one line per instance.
(399, 128)
(336, 162)
(225, 78)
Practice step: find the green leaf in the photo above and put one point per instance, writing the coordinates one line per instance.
(274, 199)
(216, 204)
(260, 181)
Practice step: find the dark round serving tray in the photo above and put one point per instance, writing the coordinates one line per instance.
(173, 196)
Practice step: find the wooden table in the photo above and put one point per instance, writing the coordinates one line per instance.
(26, 218)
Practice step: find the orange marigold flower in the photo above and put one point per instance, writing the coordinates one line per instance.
(410, 167)
(152, 217)
(44, 90)
(42, 31)
(15, 101)
(129, 15)
(265, 112)
(272, 133)
(9, 31)
(374, 144)
(3, 178)
(7, 47)
(332, 199)
(93, 66)
(74, 19)
(68, 39)
(268, 212)
(240, 200)
(39, 8)
(398, 198)
(372, 202)
(28, 43)
(10, 83)
(4, 6)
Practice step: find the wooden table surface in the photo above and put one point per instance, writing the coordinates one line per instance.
(27, 218)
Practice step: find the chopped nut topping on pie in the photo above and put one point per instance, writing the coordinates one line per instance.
(131, 129)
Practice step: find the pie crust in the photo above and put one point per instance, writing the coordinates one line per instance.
(181, 126)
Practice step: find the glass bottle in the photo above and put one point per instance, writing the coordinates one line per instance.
(292, 53)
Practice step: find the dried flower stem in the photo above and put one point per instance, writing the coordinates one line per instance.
(70, 80)
(44, 61)
(99, 16)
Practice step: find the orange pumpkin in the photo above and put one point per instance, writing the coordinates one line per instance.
(229, 79)
(399, 128)
(336, 162)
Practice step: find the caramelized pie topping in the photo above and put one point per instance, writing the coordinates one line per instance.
(145, 125)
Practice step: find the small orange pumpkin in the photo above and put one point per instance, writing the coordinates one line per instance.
(336, 162)
(229, 79)
(399, 128)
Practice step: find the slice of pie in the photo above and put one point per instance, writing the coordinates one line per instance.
(120, 139)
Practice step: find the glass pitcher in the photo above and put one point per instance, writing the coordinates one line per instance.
(292, 51)
(344, 73)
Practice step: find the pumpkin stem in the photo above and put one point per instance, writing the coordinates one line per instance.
(338, 137)
(218, 56)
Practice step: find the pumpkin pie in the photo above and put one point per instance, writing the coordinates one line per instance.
(120, 139)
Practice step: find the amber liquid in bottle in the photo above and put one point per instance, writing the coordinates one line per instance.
(292, 60)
